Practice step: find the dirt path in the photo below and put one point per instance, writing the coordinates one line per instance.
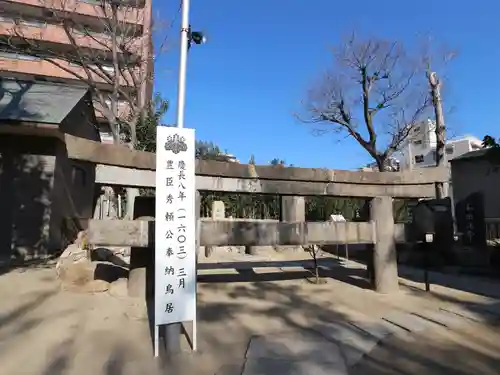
(46, 331)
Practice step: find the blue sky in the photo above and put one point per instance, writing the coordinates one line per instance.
(244, 85)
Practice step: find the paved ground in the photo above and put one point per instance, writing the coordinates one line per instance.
(271, 326)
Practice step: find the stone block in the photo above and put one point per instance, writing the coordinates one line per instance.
(354, 343)
(410, 322)
(294, 347)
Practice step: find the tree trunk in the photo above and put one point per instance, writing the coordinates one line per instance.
(435, 86)
(380, 164)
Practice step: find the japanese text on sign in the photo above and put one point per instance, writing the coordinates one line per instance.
(175, 253)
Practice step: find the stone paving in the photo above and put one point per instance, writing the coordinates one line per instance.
(342, 345)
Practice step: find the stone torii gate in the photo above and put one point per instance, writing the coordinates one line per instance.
(120, 166)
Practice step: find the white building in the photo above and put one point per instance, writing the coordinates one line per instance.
(420, 149)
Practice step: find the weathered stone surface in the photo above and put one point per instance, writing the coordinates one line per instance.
(410, 322)
(76, 274)
(267, 366)
(218, 210)
(378, 330)
(118, 155)
(443, 318)
(384, 258)
(72, 254)
(354, 343)
(294, 347)
(236, 233)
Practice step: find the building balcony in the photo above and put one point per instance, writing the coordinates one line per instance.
(19, 65)
(86, 8)
(123, 110)
(55, 36)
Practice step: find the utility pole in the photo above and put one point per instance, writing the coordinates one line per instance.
(435, 86)
(185, 37)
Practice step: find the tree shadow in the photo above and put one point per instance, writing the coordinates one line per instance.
(297, 311)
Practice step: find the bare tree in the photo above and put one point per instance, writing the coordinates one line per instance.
(374, 93)
(113, 57)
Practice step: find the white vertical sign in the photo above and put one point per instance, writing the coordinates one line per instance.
(175, 226)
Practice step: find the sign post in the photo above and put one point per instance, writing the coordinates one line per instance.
(175, 234)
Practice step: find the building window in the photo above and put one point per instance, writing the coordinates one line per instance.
(419, 158)
(78, 177)
(109, 69)
(419, 142)
(33, 22)
(119, 102)
(449, 149)
(6, 19)
(18, 56)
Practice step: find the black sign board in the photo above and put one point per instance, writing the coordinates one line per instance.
(470, 220)
(433, 216)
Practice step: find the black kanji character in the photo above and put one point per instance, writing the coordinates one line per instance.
(182, 164)
(182, 175)
(169, 216)
(169, 289)
(169, 252)
(170, 199)
(181, 228)
(170, 181)
(169, 308)
(169, 235)
(181, 253)
(169, 270)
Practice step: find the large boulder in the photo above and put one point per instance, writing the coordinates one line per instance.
(77, 272)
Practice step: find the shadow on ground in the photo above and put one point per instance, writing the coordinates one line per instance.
(328, 269)
(245, 304)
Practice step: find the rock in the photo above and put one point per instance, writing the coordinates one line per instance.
(72, 254)
(116, 255)
(79, 277)
(109, 272)
(119, 288)
(76, 274)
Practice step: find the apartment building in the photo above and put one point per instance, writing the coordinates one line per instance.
(420, 149)
(48, 40)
